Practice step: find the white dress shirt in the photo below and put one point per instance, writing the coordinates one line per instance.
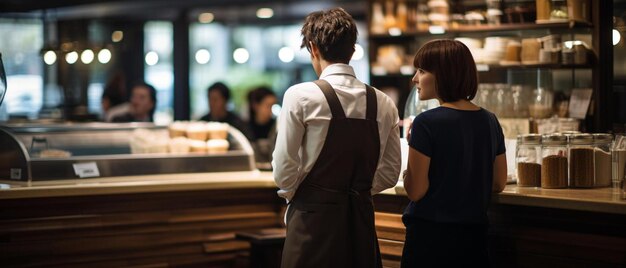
(303, 124)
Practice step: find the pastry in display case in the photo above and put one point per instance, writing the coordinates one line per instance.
(30, 153)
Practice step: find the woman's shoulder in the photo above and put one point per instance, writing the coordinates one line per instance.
(431, 114)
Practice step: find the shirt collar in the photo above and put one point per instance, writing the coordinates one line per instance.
(337, 69)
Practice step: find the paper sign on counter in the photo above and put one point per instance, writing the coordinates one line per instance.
(579, 103)
(86, 170)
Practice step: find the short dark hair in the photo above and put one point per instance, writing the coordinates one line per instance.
(453, 66)
(333, 32)
(222, 88)
(153, 95)
(115, 89)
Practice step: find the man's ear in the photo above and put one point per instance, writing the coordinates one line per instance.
(315, 53)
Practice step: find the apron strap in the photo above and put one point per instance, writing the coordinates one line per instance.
(331, 98)
(372, 104)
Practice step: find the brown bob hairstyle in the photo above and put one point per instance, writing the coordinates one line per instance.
(453, 66)
(333, 32)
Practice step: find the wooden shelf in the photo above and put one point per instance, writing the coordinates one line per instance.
(493, 28)
(489, 67)
(482, 67)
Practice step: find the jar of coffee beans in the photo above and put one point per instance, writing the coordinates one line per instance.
(528, 160)
(581, 168)
(553, 161)
(602, 159)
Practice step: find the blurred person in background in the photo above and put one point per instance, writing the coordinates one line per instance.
(114, 97)
(142, 104)
(219, 95)
(262, 124)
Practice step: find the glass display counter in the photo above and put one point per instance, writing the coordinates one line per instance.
(31, 153)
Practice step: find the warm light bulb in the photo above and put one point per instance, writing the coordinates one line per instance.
(152, 58)
(616, 37)
(264, 13)
(104, 56)
(117, 36)
(286, 54)
(87, 56)
(50, 57)
(206, 17)
(241, 55)
(71, 57)
(203, 56)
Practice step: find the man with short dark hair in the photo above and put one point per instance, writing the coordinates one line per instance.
(219, 95)
(337, 145)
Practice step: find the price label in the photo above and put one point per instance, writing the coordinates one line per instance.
(16, 173)
(86, 170)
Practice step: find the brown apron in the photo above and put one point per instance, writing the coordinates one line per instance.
(330, 221)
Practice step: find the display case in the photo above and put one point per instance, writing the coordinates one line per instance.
(30, 153)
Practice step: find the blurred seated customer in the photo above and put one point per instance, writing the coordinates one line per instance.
(262, 124)
(114, 97)
(142, 104)
(219, 95)
(262, 121)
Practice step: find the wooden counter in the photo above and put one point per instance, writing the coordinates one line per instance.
(179, 220)
(531, 227)
(603, 200)
(190, 220)
(138, 184)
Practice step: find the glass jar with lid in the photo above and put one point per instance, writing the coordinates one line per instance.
(541, 104)
(602, 143)
(553, 161)
(527, 159)
(581, 169)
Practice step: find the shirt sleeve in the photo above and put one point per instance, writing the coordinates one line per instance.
(389, 165)
(421, 137)
(290, 132)
(500, 148)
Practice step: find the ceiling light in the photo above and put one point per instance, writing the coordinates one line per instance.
(104, 56)
(286, 54)
(241, 55)
(50, 57)
(264, 13)
(71, 57)
(117, 36)
(206, 17)
(203, 56)
(616, 37)
(87, 56)
(152, 58)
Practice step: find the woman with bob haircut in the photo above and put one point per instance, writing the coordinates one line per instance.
(456, 161)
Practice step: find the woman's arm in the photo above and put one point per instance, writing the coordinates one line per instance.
(416, 177)
(499, 173)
